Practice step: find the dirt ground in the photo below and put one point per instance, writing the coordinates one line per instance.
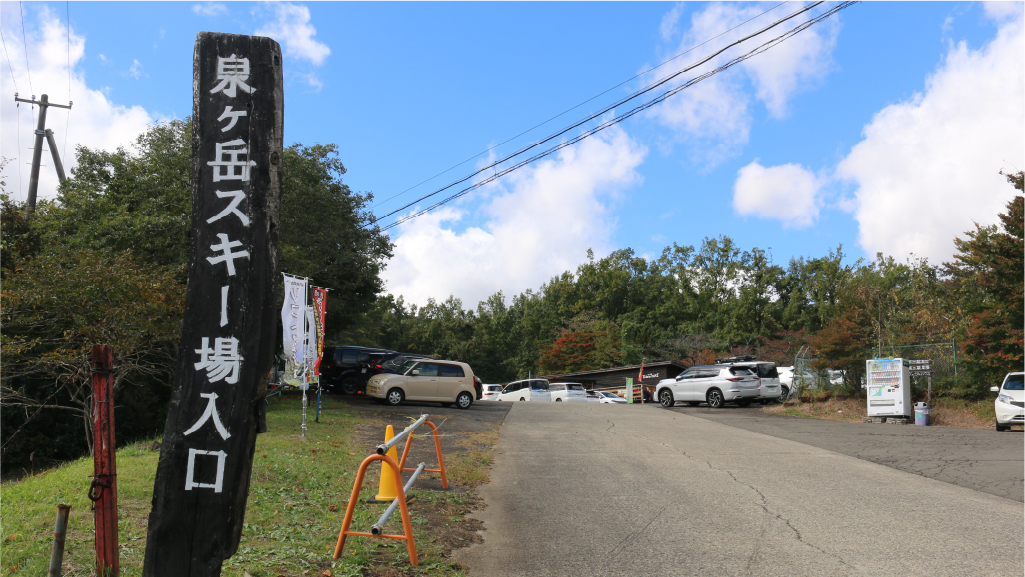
(941, 412)
(467, 438)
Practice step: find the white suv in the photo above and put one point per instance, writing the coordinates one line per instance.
(770, 388)
(569, 392)
(713, 384)
(1010, 404)
(491, 392)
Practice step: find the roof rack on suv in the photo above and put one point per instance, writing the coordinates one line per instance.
(736, 359)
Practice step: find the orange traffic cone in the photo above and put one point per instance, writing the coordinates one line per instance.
(386, 489)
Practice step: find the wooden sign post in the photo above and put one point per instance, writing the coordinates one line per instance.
(229, 330)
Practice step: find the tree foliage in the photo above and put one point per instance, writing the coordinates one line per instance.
(694, 304)
(106, 263)
(989, 263)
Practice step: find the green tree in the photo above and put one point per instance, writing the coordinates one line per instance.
(65, 300)
(326, 233)
(139, 200)
(991, 260)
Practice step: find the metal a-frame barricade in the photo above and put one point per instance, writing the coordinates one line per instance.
(400, 501)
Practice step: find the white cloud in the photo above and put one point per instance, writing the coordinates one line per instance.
(714, 115)
(94, 120)
(135, 70)
(927, 168)
(292, 29)
(1004, 10)
(788, 193)
(210, 9)
(667, 29)
(537, 224)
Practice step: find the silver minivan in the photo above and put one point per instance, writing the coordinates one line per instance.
(526, 390)
(569, 392)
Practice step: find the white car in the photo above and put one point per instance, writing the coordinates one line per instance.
(592, 397)
(1010, 403)
(569, 392)
(491, 392)
(712, 384)
(526, 390)
(769, 386)
(610, 398)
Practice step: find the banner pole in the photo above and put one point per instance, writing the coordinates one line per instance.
(306, 385)
(317, 419)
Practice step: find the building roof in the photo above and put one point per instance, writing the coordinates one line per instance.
(614, 369)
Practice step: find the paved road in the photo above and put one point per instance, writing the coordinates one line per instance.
(986, 461)
(639, 490)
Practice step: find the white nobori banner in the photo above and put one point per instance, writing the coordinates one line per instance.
(293, 320)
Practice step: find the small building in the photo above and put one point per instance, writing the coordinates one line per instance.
(614, 379)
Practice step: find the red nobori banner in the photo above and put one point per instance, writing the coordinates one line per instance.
(320, 309)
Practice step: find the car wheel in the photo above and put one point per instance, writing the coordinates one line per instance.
(522, 399)
(666, 398)
(350, 386)
(715, 399)
(394, 397)
(784, 394)
(1003, 428)
(693, 403)
(558, 400)
(464, 400)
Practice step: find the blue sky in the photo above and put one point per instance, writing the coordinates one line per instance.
(882, 128)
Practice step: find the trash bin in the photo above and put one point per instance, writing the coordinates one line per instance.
(922, 414)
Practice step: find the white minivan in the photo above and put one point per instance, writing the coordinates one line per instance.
(526, 390)
(569, 392)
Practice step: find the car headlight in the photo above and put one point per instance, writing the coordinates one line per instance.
(1005, 399)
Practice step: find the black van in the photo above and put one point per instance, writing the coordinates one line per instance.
(345, 368)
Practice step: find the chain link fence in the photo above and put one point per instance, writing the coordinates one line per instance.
(943, 357)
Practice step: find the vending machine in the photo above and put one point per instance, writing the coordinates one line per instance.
(889, 388)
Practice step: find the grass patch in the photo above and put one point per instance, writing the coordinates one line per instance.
(472, 467)
(298, 493)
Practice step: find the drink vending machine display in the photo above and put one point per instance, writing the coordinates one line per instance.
(889, 388)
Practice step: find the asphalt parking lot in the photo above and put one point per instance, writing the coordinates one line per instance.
(987, 461)
(584, 489)
(453, 424)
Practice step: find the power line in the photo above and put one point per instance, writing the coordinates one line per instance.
(9, 67)
(17, 107)
(606, 109)
(67, 121)
(652, 69)
(24, 39)
(657, 100)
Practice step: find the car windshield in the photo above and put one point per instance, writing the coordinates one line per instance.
(575, 387)
(1014, 383)
(538, 386)
(604, 394)
(408, 365)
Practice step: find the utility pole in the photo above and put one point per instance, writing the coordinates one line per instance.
(41, 131)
